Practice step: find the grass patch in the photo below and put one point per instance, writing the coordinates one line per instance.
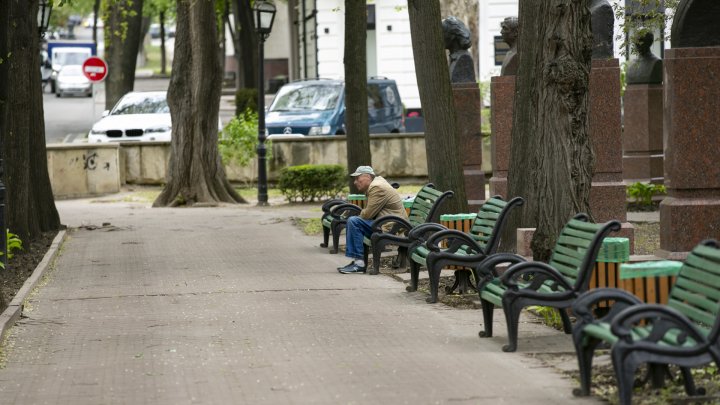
(250, 193)
(310, 226)
(153, 58)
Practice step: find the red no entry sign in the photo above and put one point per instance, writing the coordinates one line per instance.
(95, 69)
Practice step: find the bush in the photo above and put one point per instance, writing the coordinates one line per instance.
(239, 139)
(312, 182)
(642, 193)
(246, 99)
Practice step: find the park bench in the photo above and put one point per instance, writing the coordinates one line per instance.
(393, 230)
(555, 284)
(447, 247)
(334, 219)
(685, 332)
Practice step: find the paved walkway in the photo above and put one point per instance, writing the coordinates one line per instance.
(234, 305)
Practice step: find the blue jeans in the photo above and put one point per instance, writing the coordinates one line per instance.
(355, 231)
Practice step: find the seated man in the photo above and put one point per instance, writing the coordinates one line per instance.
(382, 199)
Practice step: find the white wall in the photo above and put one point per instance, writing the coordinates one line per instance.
(393, 53)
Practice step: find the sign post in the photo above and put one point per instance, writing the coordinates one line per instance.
(95, 69)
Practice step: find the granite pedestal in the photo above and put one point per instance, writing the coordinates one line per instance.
(467, 109)
(691, 210)
(643, 133)
(502, 94)
(607, 195)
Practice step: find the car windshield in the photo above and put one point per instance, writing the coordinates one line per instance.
(141, 104)
(72, 70)
(70, 58)
(304, 97)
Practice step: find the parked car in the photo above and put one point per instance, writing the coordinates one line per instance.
(137, 116)
(140, 116)
(317, 107)
(71, 81)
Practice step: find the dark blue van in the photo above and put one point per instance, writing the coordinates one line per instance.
(317, 107)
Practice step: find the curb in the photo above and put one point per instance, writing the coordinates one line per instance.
(14, 310)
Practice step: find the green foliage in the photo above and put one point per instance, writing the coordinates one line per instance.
(309, 226)
(311, 182)
(239, 139)
(13, 243)
(652, 20)
(642, 193)
(246, 99)
(551, 316)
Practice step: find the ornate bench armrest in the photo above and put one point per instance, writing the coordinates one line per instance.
(453, 239)
(662, 318)
(399, 224)
(540, 272)
(584, 304)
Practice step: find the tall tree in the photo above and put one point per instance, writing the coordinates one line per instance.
(195, 174)
(123, 26)
(30, 204)
(551, 156)
(356, 107)
(433, 77)
(245, 42)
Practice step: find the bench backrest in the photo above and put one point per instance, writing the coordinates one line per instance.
(488, 223)
(577, 248)
(696, 292)
(426, 204)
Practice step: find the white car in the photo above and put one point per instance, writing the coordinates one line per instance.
(71, 80)
(138, 116)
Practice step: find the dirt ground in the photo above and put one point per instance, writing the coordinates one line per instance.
(22, 264)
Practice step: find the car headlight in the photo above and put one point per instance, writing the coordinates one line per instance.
(323, 130)
(157, 130)
(97, 132)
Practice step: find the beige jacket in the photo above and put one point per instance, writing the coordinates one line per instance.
(382, 200)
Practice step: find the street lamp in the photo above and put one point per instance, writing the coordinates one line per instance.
(264, 18)
(44, 10)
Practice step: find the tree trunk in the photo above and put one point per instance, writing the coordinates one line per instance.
(30, 204)
(96, 13)
(433, 78)
(123, 20)
(163, 51)
(246, 45)
(4, 84)
(195, 174)
(356, 112)
(551, 158)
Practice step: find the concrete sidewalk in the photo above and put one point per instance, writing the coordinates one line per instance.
(234, 305)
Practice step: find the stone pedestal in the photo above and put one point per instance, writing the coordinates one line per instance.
(691, 211)
(607, 195)
(643, 133)
(502, 94)
(467, 109)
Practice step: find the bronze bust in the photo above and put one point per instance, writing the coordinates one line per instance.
(509, 32)
(457, 41)
(646, 68)
(602, 21)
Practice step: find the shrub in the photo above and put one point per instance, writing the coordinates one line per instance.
(238, 140)
(246, 99)
(642, 193)
(13, 243)
(311, 182)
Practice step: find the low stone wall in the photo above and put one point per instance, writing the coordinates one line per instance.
(396, 157)
(81, 170)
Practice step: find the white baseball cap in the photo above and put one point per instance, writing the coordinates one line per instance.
(363, 170)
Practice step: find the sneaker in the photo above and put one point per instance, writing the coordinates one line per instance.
(347, 265)
(352, 268)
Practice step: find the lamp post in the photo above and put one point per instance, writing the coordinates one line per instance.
(44, 10)
(264, 18)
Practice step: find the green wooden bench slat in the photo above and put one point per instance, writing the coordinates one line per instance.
(429, 192)
(709, 266)
(708, 253)
(583, 226)
(698, 300)
(573, 241)
(564, 251)
(701, 276)
(688, 284)
(578, 233)
(691, 312)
